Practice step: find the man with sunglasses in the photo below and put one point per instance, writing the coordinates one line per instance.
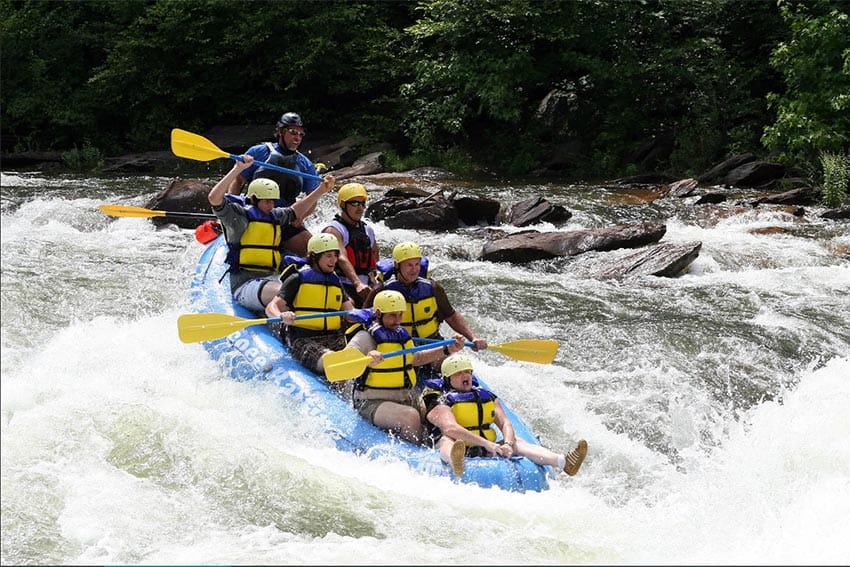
(356, 266)
(289, 133)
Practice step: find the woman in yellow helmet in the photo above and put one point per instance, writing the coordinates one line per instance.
(357, 265)
(253, 227)
(386, 393)
(467, 415)
(314, 288)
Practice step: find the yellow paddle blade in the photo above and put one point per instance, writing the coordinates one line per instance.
(345, 364)
(199, 327)
(542, 351)
(128, 211)
(188, 145)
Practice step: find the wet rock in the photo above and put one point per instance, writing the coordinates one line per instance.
(666, 260)
(536, 210)
(29, 159)
(720, 170)
(414, 208)
(145, 162)
(474, 211)
(181, 195)
(529, 246)
(367, 165)
(754, 173)
(842, 213)
(801, 196)
(711, 198)
(681, 188)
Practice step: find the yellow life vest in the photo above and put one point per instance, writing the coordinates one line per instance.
(420, 317)
(318, 293)
(259, 246)
(394, 372)
(474, 410)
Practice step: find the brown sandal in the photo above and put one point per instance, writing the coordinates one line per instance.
(575, 458)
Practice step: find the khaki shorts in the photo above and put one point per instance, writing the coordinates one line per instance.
(367, 401)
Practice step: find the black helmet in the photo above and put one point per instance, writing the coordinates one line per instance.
(290, 119)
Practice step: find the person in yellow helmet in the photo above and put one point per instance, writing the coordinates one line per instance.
(427, 303)
(357, 265)
(253, 228)
(313, 289)
(470, 421)
(386, 393)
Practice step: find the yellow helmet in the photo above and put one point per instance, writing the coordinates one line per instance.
(263, 189)
(389, 301)
(454, 364)
(406, 251)
(351, 191)
(323, 242)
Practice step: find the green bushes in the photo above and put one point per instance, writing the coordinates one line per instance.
(836, 177)
(87, 159)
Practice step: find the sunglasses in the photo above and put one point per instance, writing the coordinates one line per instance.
(356, 203)
(295, 132)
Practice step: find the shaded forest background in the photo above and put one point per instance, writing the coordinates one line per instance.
(591, 88)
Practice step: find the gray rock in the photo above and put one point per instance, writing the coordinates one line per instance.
(667, 260)
(529, 246)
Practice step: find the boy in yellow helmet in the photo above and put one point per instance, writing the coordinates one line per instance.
(313, 289)
(253, 228)
(386, 393)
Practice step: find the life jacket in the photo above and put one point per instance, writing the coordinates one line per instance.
(259, 248)
(474, 410)
(359, 242)
(420, 317)
(318, 293)
(290, 184)
(395, 372)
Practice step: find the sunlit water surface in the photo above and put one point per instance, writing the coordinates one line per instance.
(715, 403)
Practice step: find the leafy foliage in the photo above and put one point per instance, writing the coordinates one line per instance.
(813, 114)
(593, 86)
(836, 178)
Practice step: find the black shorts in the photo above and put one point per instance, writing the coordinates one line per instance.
(289, 231)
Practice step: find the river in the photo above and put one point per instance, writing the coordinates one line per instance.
(714, 403)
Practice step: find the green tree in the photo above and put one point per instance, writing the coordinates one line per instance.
(48, 52)
(813, 113)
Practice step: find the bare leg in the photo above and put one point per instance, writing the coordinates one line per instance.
(536, 453)
(404, 421)
(453, 453)
(269, 291)
(298, 243)
(543, 456)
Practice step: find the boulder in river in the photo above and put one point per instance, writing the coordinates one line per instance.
(529, 246)
(181, 195)
(666, 259)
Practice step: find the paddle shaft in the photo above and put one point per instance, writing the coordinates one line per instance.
(279, 168)
(200, 327)
(542, 351)
(348, 368)
(193, 146)
(177, 214)
(140, 212)
(445, 342)
(431, 342)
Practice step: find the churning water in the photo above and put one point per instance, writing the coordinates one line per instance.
(714, 404)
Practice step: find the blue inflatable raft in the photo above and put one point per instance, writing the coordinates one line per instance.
(254, 353)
